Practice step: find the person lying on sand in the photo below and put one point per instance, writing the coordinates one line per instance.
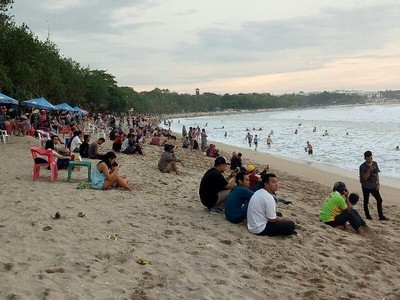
(337, 209)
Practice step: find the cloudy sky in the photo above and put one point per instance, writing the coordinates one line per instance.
(226, 46)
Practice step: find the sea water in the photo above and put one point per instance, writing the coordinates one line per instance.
(352, 130)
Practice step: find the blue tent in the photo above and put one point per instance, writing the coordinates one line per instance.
(39, 103)
(7, 100)
(64, 106)
(79, 110)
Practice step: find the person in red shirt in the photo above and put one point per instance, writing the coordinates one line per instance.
(117, 143)
(254, 177)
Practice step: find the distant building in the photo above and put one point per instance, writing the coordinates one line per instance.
(197, 92)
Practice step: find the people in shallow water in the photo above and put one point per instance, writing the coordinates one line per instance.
(325, 133)
(295, 132)
(397, 148)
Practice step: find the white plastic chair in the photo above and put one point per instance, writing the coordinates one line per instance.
(102, 133)
(4, 136)
(43, 137)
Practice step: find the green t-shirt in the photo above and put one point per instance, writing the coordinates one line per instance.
(332, 207)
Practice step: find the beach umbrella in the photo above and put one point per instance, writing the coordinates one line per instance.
(64, 106)
(40, 103)
(4, 99)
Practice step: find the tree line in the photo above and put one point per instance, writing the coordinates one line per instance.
(31, 68)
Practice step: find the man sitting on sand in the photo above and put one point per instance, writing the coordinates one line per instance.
(94, 148)
(337, 209)
(262, 218)
(214, 188)
(168, 160)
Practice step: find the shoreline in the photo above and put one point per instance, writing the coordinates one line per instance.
(247, 111)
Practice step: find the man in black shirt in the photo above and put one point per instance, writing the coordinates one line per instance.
(214, 188)
(369, 178)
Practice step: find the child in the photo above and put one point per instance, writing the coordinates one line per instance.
(353, 198)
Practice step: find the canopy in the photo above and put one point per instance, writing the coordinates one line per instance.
(7, 100)
(39, 103)
(64, 106)
(80, 110)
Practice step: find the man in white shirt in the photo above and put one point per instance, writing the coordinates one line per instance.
(262, 218)
(76, 141)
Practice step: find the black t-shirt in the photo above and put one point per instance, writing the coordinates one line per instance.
(84, 149)
(211, 183)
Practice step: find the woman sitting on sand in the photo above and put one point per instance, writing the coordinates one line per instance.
(106, 174)
(238, 199)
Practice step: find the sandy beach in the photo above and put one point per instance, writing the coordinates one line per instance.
(192, 254)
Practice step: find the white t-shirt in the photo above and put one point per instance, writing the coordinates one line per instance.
(75, 143)
(262, 207)
(125, 144)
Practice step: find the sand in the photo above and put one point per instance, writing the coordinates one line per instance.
(193, 254)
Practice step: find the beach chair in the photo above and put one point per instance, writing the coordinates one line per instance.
(38, 152)
(9, 129)
(90, 129)
(101, 133)
(4, 136)
(43, 137)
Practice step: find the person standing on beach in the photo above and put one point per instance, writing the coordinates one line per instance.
(191, 138)
(249, 138)
(369, 178)
(255, 142)
(262, 217)
(203, 140)
(214, 188)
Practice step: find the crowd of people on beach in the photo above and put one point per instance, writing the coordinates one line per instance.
(249, 195)
(245, 195)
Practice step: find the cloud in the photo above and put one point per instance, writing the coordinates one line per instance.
(186, 43)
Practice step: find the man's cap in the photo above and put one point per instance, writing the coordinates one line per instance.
(220, 160)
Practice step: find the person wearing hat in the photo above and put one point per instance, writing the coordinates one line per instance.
(337, 210)
(262, 218)
(214, 188)
(24, 125)
(255, 180)
(168, 160)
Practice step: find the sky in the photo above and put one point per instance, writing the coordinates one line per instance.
(223, 46)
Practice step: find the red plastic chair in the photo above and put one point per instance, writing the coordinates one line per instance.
(51, 161)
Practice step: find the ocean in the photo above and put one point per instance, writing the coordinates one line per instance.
(352, 130)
